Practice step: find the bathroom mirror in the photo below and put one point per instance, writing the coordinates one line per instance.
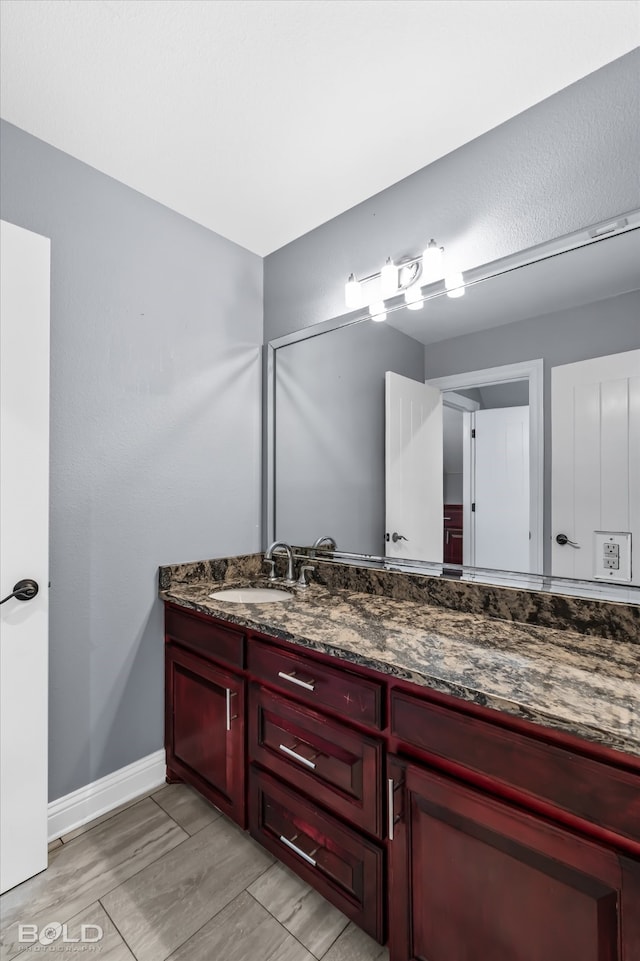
(495, 431)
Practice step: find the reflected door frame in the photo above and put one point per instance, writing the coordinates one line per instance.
(533, 372)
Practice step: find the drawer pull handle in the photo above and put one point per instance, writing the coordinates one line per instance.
(297, 757)
(229, 695)
(296, 849)
(307, 685)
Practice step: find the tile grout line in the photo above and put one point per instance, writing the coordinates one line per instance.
(280, 924)
(124, 940)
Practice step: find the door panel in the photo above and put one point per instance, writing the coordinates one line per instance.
(595, 458)
(24, 552)
(414, 490)
(472, 877)
(501, 520)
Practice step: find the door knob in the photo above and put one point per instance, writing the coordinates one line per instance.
(562, 539)
(23, 591)
(395, 537)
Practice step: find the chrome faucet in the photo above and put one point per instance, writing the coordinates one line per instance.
(268, 558)
(325, 542)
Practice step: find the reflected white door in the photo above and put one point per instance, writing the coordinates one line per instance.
(24, 552)
(413, 469)
(501, 518)
(595, 459)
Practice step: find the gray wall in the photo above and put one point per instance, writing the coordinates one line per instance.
(329, 447)
(567, 162)
(594, 330)
(156, 327)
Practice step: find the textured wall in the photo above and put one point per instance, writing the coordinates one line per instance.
(156, 327)
(570, 161)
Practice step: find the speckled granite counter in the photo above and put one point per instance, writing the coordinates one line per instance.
(584, 684)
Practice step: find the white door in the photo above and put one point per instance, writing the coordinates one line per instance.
(413, 469)
(500, 522)
(595, 462)
(24, 552)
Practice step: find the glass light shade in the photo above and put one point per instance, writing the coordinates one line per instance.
(413, 297)
(377, 311)
(454, 282)
(432, 263)
(389, 279)
(353, 293)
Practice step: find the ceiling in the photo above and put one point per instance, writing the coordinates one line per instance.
(262, 119)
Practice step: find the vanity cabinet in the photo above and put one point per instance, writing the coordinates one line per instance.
(205, 712)
(472, 877)
(461, 832)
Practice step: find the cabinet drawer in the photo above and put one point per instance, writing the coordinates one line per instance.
(345, 868)
(589, 789)
(322, 758)
(340, 691)
(206, 637)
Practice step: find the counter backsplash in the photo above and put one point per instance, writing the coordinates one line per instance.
(619, 622)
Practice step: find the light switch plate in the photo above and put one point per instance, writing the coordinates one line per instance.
(604, 553)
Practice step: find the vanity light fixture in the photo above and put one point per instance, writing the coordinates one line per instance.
(353, 294)
(377, 311)
(389, 279)
(409, 274)
(433, 262)
(413, 297)
(454, 282)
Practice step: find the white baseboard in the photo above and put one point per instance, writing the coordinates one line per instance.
(89, 802)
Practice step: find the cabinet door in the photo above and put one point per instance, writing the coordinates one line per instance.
(205, 729)
(472, 878)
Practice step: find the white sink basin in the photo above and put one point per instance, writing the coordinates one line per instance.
(252, 595)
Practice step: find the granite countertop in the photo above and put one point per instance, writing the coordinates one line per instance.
(583, 684)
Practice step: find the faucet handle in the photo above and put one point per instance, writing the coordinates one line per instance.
(272, 565)
(301, 582)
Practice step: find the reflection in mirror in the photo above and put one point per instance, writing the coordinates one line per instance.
(496, 430)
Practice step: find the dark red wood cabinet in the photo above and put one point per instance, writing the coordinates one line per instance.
(460, 832)
(471, 877)
(205, 729)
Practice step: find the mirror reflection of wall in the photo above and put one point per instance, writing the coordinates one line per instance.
(562, 311)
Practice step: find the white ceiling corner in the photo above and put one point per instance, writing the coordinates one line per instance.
(262, 119)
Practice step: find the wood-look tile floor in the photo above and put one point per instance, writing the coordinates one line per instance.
(168, 878)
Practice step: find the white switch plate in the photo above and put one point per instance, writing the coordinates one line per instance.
(602, 540)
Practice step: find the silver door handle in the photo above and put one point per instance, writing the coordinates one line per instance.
(297, 757)
(298, 851)
(395, 537)
(229, 695)
(22, 591)
(307, 685)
